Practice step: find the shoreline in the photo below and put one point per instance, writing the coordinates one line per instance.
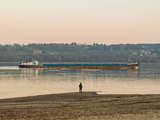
(98, 93)
(82, 106)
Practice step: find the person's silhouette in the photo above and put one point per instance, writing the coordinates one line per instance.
(80, 87)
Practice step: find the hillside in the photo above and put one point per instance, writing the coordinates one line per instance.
(81, 52)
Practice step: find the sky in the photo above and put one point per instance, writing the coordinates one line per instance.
(81, 21)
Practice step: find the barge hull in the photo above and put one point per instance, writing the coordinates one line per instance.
(84, 66)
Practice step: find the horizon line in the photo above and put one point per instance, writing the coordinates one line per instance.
(78, 43)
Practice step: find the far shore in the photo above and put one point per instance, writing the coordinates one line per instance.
(82, 106)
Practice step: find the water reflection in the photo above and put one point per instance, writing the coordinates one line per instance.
(15, 82)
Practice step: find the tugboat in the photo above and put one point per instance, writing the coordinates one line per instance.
(32, 64)
(35, 64)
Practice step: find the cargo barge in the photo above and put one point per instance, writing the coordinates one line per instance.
(35, 64)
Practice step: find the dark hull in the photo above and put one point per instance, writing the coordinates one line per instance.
(83, 66)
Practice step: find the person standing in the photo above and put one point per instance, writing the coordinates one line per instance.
(80, 87)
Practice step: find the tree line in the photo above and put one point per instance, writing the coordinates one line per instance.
(75, 52)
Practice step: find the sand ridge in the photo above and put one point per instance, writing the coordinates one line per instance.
(81, 106)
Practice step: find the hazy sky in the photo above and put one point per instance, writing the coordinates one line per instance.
(83, 21)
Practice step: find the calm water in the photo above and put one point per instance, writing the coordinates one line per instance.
(15, 82)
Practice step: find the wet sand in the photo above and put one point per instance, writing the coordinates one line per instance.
(85, 106)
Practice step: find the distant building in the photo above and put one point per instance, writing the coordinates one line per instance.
(36, 51)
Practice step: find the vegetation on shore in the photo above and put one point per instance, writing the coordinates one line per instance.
(80, 52)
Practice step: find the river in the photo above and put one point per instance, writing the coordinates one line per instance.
(18, 82)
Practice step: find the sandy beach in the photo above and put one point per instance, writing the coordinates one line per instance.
(85, 106)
